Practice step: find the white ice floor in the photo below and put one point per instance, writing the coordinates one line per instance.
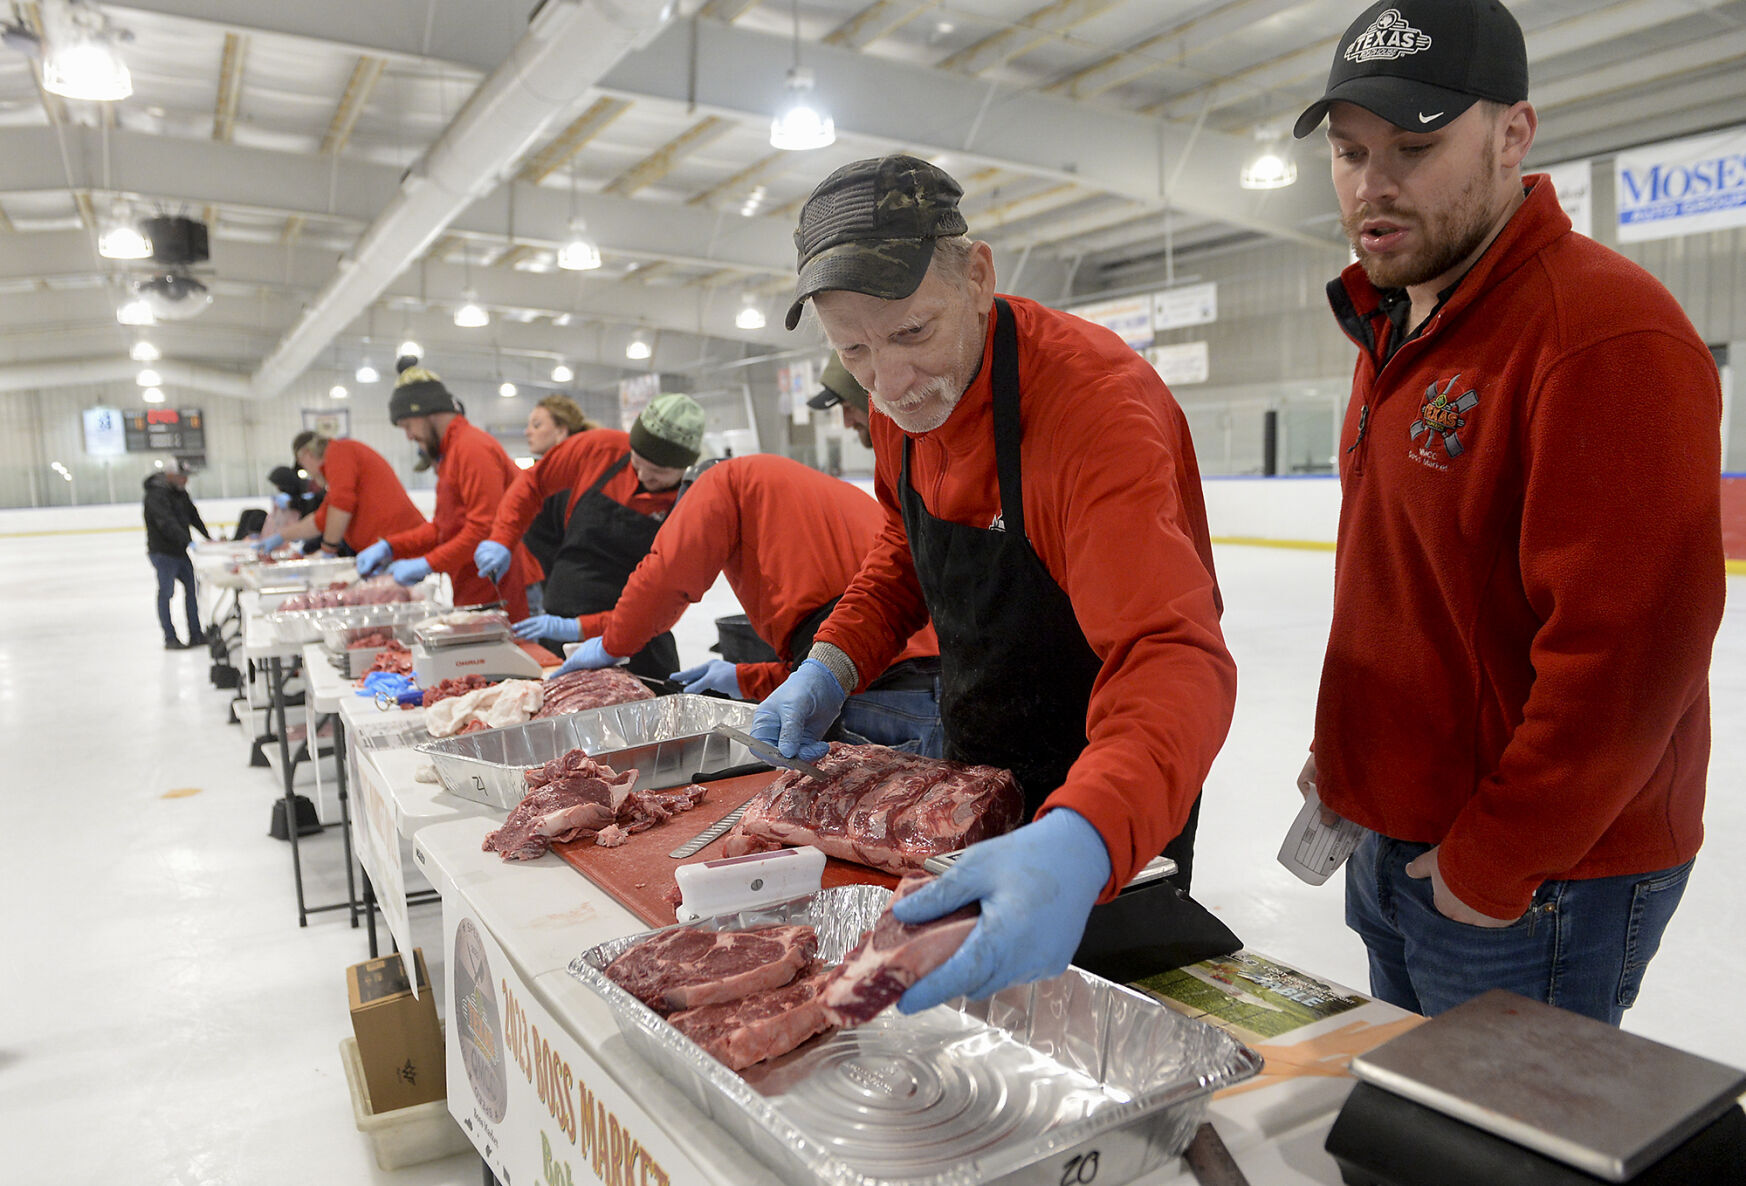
(164, 1020)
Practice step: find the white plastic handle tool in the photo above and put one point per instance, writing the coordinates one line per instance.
(732, 884)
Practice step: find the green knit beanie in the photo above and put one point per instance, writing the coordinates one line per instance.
(669, 432)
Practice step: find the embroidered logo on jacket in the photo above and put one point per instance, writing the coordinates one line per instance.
(1388, 37)
(1442, 417)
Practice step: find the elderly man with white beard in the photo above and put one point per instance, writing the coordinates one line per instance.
(1043, 504)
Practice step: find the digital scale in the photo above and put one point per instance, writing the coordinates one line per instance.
(1506, 1091)
(463, 643)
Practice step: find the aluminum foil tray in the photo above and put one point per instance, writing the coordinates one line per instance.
(459, 627)
(314, 572)
(396, 729)
(1045, 1083)
(309, 625)
(666, 740)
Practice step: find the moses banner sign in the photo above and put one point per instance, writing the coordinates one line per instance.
(1681, 187)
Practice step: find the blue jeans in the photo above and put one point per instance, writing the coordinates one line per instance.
(170, 570)
(1582, 945)
(905, 720)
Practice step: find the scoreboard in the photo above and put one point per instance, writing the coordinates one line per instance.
(165, 430)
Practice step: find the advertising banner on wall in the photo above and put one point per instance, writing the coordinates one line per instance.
(333, 423)
(1191, 304)
(1181, 364)
(634, 395)
(105, 433)
(1129, 318)
(1573, 182)
(1681, 187)
(795, 385)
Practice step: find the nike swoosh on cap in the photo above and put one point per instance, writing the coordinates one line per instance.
(1425, 119)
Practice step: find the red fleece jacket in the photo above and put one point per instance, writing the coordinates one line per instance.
(1529, 572)
(473, 472)
(361, 481)
(573, 464)
(1113, 508)
(789, 539)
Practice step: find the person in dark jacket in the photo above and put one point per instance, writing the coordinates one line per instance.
(170, 519)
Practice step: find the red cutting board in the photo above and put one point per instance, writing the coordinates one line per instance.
(639, 873)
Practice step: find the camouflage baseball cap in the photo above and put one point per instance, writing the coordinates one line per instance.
(870, 227)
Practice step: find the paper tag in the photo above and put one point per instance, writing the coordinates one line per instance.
(1312, 850)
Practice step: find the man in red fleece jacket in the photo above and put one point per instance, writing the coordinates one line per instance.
(1529, 573)
(1043, 504)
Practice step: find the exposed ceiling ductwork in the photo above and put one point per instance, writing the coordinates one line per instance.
(568, 46)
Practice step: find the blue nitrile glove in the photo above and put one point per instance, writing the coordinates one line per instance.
(1036, 886)
(795, 716)
(549, 626)
(409, 572)
(271, 543)
(587, 657)
(717, 675)
(393, 686)
(281, 500)
(372, 558)
(491, 559)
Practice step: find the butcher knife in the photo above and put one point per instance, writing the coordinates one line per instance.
(771, 754)
(704, 838)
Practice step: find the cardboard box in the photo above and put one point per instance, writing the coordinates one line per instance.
(399, 1040)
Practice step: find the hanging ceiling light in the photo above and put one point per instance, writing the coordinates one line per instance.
(135, 312)
(79, 59)
(1271, 166)
(562, 374)
(409, 349)
(148, 377)
(337, 391)
(153, 395)
(506, 389)
(749, 316)
(638, 348)
(144, 351)
(472, 314)
(798, 124)
(366, 373)
(580, 254)
(122, 240)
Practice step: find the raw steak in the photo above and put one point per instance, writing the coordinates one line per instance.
(448, 689)
(553, 813)
(575, 770)
(891, 957)
(740, 1033)
(379, 591)
(687, 967)
(881, 808)
(582, 690)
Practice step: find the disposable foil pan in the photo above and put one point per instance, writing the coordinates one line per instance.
(308, 625)
(312, 573)
(1065, 1080)
(666, 740)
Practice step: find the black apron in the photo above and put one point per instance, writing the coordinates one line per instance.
(603, 544)
(1016, 671)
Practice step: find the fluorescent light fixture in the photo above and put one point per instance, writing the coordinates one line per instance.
(123, 241)
(562, 374)
(135, 312)
(798, 124)
(86, 66)
(337, 391)
(1270, 168)
(153, 395)
(144, 351)
(410, 349)
(749, 316)
(472, 315)
(148, 377)
(366, 374)
(581, 253)
(638, 348)
(506, 389)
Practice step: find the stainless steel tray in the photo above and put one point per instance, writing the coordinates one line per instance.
(666, 740)
(1059, 1081)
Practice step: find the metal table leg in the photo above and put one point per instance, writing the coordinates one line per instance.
(276, 707)
(339, 762)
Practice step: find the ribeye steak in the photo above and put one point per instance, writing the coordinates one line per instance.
(687, 967)
(891, 957)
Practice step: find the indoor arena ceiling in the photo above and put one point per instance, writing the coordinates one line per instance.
(363, 166)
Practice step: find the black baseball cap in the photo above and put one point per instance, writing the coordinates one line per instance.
(870, 227)
(839, 387)
(1420, 63)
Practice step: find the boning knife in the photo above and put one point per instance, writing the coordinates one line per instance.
(771, 754)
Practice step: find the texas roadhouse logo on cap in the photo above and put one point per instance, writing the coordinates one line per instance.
(1388, 37)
